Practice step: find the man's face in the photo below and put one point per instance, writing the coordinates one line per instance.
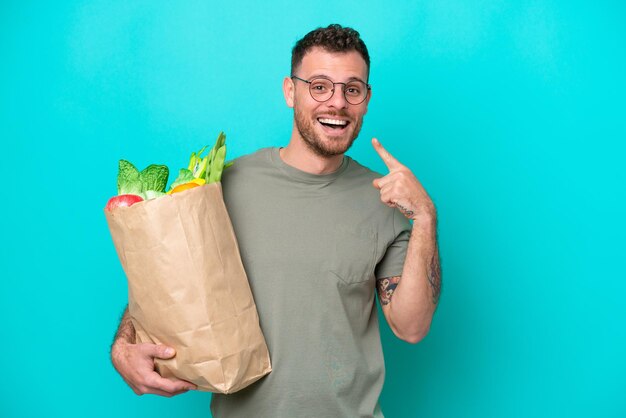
(328, 128)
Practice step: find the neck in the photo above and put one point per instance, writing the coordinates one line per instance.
(297, 154)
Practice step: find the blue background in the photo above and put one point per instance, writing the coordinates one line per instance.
(510, 113)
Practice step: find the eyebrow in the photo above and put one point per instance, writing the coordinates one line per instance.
(314, 75)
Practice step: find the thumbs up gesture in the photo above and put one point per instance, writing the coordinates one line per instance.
(401, 189)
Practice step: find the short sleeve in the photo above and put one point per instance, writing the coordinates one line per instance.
(393, 260)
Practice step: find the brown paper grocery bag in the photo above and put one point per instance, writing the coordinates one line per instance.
(187, 288)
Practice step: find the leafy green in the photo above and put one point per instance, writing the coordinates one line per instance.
(197, 164)
(216, 157)
(209, 160)
(154, 177)
(128, 179)
(184, 176)
(131, 181)
(151, 182)
(217, 165)
(151, 194)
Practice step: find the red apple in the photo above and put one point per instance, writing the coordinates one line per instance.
(122, 200)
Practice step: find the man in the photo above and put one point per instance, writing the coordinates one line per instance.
(317, 240)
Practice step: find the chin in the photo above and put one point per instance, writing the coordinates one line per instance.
(331, 146)
(325, 142)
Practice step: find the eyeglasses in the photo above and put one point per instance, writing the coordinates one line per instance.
(322, 89)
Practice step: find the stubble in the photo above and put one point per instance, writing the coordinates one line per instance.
(331, 147)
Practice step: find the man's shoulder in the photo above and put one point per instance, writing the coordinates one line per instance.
(246, 162)
(259, 155)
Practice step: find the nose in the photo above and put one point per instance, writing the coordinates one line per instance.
(338, 99)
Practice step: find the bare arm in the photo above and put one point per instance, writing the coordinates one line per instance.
(409, 302)
(126, 330)
(135, 363)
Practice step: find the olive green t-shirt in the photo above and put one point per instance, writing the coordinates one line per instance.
(312, 247)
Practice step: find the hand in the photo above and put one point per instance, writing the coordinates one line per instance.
(135, 363)
(401, 189)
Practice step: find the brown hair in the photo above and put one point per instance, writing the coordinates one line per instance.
(334, 38)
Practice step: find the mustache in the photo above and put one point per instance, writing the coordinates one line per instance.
(335, 113)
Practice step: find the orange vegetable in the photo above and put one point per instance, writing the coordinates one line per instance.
(185, 186)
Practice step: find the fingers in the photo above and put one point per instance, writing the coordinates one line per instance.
(387, 158)
(162, 393)
(388, 200)
(391, 193)
(135, 363)
(381, 182)
(158, 351)
(159, 392)
(171, 385)
(152, 382)
(157, 385)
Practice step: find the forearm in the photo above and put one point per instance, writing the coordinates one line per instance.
(135, 363)
(417, 294)
(126, 330)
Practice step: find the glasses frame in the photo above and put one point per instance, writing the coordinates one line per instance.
(309, 82)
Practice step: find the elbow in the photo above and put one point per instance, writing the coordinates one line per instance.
(411, 329)
(414, 338)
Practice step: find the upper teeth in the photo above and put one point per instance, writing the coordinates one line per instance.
(333, 121)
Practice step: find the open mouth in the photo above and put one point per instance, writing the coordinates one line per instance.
(333, 125)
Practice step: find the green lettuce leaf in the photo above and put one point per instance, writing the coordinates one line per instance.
(128, 179)
(151, 194)
(184, 176)
(154, 177)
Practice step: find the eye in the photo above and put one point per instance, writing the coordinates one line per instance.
(319, 86)
(353, 89)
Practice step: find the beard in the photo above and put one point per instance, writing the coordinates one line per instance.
(334, 145)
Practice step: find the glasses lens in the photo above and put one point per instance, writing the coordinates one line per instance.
(321, 89)
(355, 92)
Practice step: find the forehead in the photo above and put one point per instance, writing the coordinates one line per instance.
(336, 65)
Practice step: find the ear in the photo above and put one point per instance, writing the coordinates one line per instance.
(288, 91)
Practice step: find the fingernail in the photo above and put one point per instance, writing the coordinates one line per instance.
(169, 351)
